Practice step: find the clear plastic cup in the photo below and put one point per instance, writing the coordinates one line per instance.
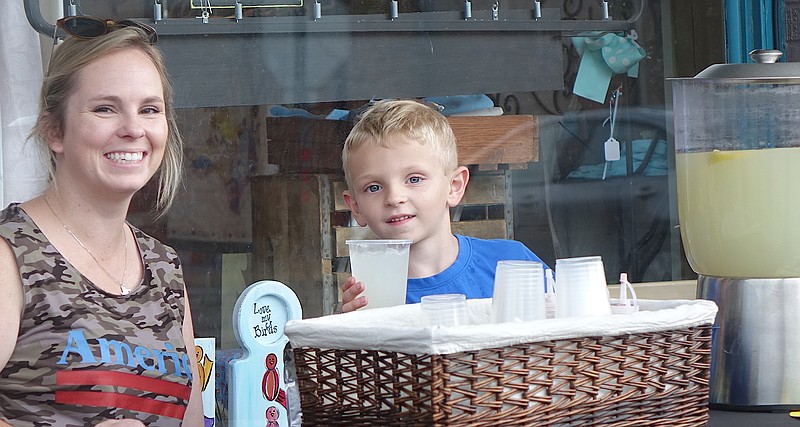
(581, 288)
(382, 265)
(445, 309)
(519, 288)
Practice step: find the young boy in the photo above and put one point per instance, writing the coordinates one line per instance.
(401, 166)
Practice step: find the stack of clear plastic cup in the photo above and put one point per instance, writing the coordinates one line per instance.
(518, 292)
(581, 288)
(444, 309)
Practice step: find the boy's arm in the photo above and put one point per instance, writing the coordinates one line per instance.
(350, 291)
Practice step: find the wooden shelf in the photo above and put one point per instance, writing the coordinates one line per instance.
(301, 145)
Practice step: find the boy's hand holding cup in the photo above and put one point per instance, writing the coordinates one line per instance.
(351, 289)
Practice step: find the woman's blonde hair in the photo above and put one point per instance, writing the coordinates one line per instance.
(68, 60)
(381, 123)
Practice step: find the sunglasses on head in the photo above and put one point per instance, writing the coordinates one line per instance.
(89, 27)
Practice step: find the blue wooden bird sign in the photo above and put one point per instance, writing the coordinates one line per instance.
(257, 386)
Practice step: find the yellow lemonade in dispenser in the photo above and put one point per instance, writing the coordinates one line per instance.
(740, 211)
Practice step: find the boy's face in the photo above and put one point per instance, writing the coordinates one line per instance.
(403, 192)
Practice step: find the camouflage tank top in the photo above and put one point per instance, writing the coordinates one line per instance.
(84, 355)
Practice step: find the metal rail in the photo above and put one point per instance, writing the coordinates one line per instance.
(297, 59)
(511, 20)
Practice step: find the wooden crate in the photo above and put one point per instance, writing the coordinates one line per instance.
(302, 145)
(292, 237)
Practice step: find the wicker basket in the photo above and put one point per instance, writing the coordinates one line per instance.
(655, 378)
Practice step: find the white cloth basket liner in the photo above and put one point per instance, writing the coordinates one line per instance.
(402, 329)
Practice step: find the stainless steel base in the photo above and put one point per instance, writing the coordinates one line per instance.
(756, 343)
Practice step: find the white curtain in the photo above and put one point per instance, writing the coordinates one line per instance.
(22, 171)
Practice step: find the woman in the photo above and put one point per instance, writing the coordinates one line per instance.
(94, 319)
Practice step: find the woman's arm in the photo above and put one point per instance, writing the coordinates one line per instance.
(194, 412)
(11, 302)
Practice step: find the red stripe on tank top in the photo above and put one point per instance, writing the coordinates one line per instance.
(123, 379)
(122, 401)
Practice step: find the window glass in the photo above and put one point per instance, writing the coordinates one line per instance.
(262, 197)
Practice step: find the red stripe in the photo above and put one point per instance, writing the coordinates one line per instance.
(117, 400)
(123, 379)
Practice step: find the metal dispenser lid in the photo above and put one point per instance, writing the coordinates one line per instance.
(764, 70)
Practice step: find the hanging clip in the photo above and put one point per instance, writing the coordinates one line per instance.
(394, 11)
(317, 10)
(73, 8)
(496, 11)
(467, 9)
(537, 9)
(157, 15)
(237, 12)
(606, 16)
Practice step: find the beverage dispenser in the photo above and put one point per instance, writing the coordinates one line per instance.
(737, 161)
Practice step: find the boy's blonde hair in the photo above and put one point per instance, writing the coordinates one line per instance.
(382, 122)
(59, 82)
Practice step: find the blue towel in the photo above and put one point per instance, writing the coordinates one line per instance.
(281, 111)
(461, 103)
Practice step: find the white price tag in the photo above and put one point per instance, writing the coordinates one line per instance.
(611, 149)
